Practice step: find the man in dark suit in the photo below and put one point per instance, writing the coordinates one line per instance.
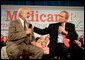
(62, 38)
(20, 37)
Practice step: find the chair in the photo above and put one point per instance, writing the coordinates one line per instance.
(25, 55)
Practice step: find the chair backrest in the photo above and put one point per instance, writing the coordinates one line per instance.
(4, 53)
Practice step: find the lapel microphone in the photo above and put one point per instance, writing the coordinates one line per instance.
(30, 26)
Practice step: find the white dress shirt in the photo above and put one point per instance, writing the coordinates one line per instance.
(22, 21)
(60, 37)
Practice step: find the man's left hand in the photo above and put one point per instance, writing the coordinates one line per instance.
(61, 29)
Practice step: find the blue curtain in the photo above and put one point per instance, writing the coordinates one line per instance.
(44, 3)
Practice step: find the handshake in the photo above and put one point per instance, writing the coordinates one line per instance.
(29, 31)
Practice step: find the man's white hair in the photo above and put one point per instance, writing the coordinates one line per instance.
(20, 11)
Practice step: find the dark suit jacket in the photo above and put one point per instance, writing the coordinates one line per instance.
(53, 31)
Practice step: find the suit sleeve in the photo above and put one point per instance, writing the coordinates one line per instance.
(72, 35)
(13, 34)
(42, 31)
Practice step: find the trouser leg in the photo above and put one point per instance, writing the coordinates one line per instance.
(14, 52)
(76, 52)
(62, 51)
(36, 51)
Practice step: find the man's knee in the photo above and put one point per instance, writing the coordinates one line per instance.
(14, 54)
(41, 51)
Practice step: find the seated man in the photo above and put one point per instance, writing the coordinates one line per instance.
(81, 39)
(20, 37)
(38, 42)
(44, 47)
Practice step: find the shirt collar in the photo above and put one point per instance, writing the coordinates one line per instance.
(22, 21)
(64, 24)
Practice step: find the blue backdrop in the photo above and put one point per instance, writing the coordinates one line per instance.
(44, 3)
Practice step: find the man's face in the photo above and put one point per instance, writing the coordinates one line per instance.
(62, 17)
(26, 14)
(43, 44)
(41, 37)
(39, 40)
(5, 38)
